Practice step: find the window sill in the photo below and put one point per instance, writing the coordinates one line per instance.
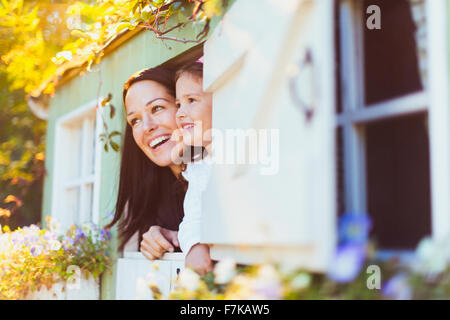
(169, 256)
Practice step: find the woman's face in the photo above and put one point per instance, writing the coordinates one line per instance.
(151, 114)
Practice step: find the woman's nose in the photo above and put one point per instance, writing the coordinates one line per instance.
(149, 123)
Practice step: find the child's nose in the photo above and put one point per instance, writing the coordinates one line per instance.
(180, 113)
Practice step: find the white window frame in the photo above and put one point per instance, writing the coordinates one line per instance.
(433, 100)
(439, 117)
(63, 137)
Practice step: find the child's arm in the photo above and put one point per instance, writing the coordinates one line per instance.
(189, 231)
(197, 254)
(199, 259)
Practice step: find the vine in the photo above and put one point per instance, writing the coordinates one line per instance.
(94, 26)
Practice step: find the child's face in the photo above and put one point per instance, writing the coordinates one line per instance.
(194, 115)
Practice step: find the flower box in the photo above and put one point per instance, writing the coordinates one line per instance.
(86, 289)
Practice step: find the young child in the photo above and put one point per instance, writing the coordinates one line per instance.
(194, 117)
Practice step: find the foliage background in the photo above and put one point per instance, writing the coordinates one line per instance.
(29, 37)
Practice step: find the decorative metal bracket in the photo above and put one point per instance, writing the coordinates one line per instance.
(308, 110)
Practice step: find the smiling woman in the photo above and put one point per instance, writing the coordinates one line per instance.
(150, 193)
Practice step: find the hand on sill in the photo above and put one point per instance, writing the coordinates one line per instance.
(198, 258)
(157, 241)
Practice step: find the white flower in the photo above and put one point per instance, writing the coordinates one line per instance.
(301, 281)
(142, 290)
(224, 271)
(268, 272)
(189, 280)
(86, 227)
(55, 245)
(267, 285)
(431, 258)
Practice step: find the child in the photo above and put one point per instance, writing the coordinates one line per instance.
(194, 117)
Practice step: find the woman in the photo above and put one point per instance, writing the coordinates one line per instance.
(150, 188)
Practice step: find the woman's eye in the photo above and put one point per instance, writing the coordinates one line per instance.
(177, 105)
(134, 122)
(157, 108)
(191, 100)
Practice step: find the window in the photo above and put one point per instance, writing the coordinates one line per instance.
(77, 153)
(188, 56)
(384, 132)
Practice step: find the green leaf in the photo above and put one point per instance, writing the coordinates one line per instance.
(112, 111)
(115, 146)
(113, 134)
(146, 15)
(79, 34)
(136, 5)
(123, 25)
(106, 100)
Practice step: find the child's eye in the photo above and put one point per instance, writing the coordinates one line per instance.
(178, 105)
(191, 100)
(157, 108)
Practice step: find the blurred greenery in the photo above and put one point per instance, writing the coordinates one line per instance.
(30, 35)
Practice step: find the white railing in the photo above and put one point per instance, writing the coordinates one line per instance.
(134, 270)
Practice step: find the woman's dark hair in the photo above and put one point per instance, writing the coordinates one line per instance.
(163, 76)
(146, 191)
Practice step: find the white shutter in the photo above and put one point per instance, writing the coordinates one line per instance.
(267, 63)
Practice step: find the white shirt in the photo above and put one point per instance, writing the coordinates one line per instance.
(197, 174)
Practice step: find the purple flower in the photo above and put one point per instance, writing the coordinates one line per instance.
(347, 262)
(36, 250)
(31, 228)
(48, 236)
(66, 244)
(79, 234)
(398, 288)
(104, 235)
(354, 228)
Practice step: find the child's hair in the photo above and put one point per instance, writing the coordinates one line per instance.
(193, 68)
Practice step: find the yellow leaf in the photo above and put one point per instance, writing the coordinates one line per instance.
(5, 213)
(40, 156)
(12, 198)
(213, 8)
(50, 89)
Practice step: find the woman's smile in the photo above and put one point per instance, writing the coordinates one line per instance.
(157, 142)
